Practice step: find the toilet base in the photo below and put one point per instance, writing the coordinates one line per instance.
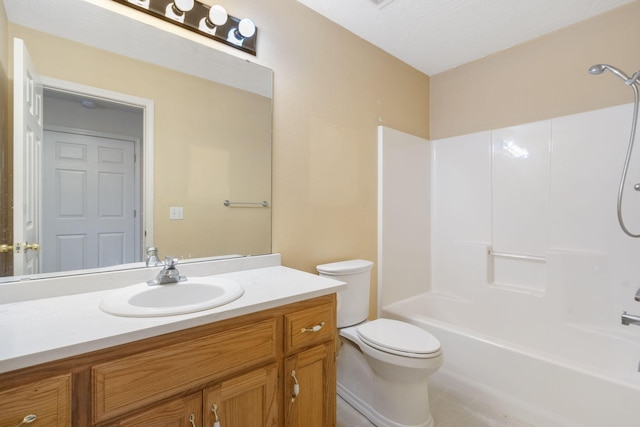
(371, 414)
(385, 402)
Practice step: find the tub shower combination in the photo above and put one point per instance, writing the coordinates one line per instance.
(529, 270)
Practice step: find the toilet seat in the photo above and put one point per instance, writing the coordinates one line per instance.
(399, 338)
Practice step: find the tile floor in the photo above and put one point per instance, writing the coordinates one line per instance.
(449, 409)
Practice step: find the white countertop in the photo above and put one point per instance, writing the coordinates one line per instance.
(42, 330)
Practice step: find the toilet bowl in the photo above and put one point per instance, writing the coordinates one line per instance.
(383, 364)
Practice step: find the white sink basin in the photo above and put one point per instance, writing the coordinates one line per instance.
(194, 294)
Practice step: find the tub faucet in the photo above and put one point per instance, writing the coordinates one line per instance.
(630, 319)
(169, 273)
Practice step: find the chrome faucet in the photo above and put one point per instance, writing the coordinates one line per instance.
(152, 257)
(630, 319)
(169, 274)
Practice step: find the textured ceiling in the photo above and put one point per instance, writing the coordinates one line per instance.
(437, 35)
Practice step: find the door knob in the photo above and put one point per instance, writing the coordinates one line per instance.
(34, 246)
(6, 248)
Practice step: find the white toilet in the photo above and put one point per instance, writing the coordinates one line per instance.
(383, 364)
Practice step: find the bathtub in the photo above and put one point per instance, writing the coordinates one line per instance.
(549, 373)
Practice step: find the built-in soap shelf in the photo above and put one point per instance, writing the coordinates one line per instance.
(517, 272)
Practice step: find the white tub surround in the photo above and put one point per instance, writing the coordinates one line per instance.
(42, 321)
(530, 271)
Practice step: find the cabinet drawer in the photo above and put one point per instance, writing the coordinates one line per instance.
(49, 400)
(177, 412)
(134, 381)
(311, 326)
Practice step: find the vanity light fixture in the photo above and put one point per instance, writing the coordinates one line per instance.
(212, 22)
(177, 9)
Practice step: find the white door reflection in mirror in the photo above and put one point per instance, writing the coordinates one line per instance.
(90, 201)
(27, 140)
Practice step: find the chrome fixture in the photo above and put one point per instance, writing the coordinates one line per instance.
(630, 319)
(152, 257)
(263, 203)
(169, 274)
(633, 82)
(212, 22)
(638, 295)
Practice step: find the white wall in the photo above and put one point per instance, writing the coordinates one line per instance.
(403, 215)
(548, 190)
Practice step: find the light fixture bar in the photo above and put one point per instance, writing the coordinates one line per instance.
(212, 22)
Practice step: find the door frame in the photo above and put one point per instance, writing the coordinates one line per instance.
(147, 143)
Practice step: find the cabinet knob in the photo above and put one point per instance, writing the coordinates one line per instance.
(27, 420)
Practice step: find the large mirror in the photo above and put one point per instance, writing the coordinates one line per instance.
(195, 120)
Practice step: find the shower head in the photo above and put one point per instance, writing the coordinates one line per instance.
(597, 69)
(600, 68)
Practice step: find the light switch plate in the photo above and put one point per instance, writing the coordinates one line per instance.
(176, 213)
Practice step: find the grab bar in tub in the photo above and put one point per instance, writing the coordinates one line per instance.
(516, 256)
(630, 319)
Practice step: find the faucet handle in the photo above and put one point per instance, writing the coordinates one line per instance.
(170, 262)
(638, 295)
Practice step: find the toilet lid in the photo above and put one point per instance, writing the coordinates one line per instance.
(394, 336)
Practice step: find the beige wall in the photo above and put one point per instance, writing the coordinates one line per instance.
(541, 79)
(331, 91)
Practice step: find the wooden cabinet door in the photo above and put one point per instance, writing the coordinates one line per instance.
(247, 400)
(48, 400)
(181, 412)
(313, 402)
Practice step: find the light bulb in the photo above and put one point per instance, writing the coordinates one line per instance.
(217, 15)
(246, 28)
(183, 5)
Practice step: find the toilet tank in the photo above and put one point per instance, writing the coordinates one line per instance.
(353, 302)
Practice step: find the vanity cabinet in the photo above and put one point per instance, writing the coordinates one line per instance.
(49, 400)
(236, 372)
(131, 382)
(310, 372)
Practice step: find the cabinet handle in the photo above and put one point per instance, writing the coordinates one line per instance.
(27, 420)
(216, 420)
(192, 420)
(315, 328)
(296, 387)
